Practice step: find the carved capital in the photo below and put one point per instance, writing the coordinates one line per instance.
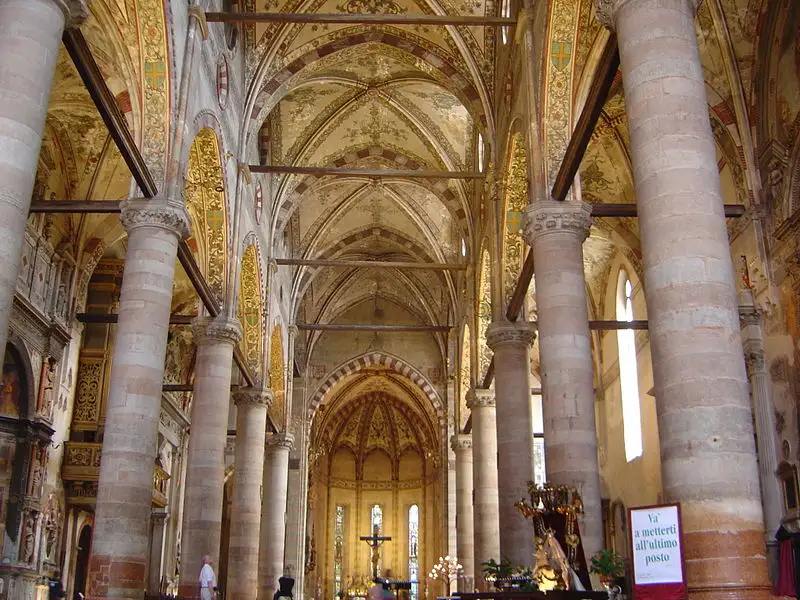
(280, 440)
(461, 441)
(754, 358)
(139, 212)
(292, 330)
(606, 10)
(75, 11)
(480, 398)
(551, 216)
(501, 333)
(220, 329)
(199, 16)
(253, 398)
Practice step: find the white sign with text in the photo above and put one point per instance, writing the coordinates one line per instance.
(656, 539)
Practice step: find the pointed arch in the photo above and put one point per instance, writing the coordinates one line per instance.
(205, 202)
(515, 198)
(369, 359)
(251, 310)
(277, 381)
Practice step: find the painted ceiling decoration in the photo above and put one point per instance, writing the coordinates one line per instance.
(205, 201)
(251, 310)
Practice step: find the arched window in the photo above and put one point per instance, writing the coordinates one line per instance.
(338, 550)
(628, 374)
(481, 151)
(413, 550)
(505, 11)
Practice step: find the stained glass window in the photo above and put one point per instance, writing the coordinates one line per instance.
(338, 550)
(413, 550)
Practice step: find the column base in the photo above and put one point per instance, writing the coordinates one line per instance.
(731, 593)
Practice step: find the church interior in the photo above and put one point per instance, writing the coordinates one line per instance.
(317, 288)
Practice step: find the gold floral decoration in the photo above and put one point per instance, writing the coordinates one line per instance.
(205, 200)
(250, 310)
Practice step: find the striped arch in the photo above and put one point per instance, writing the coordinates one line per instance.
(372, 359)
(278, 84)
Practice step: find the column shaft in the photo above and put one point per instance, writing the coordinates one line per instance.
(511, 343)
(251, 425)
(556, 231)
(273, 513)
(118, 564)
(704, 414)
(30, 39)
(205, 471)
(484, 464)
(753, 340)
(462, 446)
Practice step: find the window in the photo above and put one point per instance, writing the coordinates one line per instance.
(413, 550)
(338, 551)
(539, 472)
(376, 520)
(480, 153)
(628, 375)
(505, 11)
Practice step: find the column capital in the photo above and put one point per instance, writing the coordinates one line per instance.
(253, 397)
(143, 212)
(75, 11)
(501, 333)
(292, 330)
(480, 398)
(552, 216)
(280, 440)
(461, 441)
(220, 329)
(606, 10)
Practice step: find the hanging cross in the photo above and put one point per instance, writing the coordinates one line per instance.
(374, 541)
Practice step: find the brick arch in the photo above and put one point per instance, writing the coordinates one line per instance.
(278, 83)
(369, 359)
(396, 159)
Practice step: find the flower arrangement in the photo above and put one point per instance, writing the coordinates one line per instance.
(446, 569)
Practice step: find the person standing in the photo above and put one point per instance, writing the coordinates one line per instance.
(208, 580)
(56, 587)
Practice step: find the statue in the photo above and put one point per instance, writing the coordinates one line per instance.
(28, 540)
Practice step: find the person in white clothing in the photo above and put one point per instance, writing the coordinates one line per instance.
(208, 581)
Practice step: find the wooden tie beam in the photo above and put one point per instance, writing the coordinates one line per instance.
(111, 318)
(81, 56)
(378, 328)
(346, 172)
(576, 149)
(370, 264)
(359, 19)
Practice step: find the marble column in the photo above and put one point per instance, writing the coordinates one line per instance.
(273, 513)
(486, 506)
(511, 343)
(704, 415)
(205, 462)
(764, 411)
(462, 446)
(120, 544)
(556, 231)
(251, 427)
(297, 494)
(30, 39)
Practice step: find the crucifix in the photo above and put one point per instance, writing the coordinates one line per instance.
(374, 542)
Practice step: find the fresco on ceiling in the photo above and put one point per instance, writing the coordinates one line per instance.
(788, 73)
